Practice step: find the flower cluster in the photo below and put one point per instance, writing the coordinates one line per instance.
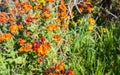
(91, 22)
(3, 17)
(51, 27)
(62, 10)
(57, 38)
(41, 47)
(5, 36)
(86, 6)
(13, 18)
(59, 69)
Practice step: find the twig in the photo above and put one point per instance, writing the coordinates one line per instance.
(78, 9)
(109, 13)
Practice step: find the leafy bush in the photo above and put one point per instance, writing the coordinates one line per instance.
(59, 37)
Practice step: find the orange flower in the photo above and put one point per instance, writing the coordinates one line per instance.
(11, 20)
(62, 2)
(62, 10)
(17, 4)
(72, 13)
(62, 7)
(53, 74)
(12, 12)
(46, 10)
(36, 7)
(3, 17)
(64, 26)
(50, 1)
(46, 47)
(40, 7)
(49, 28)
(57, 38)
(22, 41)
(21, 11)
(57, 20)
(70, 72)
(52, 27)
(28, 32)
(89, 8)
(40, 50)
(25, 48)
(6, 3)
(20, 26)
(40, 59)
(28, 47)
(58, 13)
(13, 28)
(58, 69)
(7, 36)
(64, 17)
(27, 6)
(29, 20)
(86, 0)
(47, 15)
(55, 26)
(2, 38)
(81, 8)
(41, 47)
(60, 66)
(35, 46)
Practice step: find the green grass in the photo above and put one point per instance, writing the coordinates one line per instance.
(86, 52)
(89, 53)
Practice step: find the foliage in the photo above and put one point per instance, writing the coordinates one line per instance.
(59, 37)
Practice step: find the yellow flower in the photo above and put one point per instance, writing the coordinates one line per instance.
(92, 21)
(73, 22)
(104, 30)
(41, 2)
(37, 0)
(21, 49)
(37, 16)
(79, 21)
(36, 7)
(90, 27)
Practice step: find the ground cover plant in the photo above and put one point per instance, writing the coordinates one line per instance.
(59, 37)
